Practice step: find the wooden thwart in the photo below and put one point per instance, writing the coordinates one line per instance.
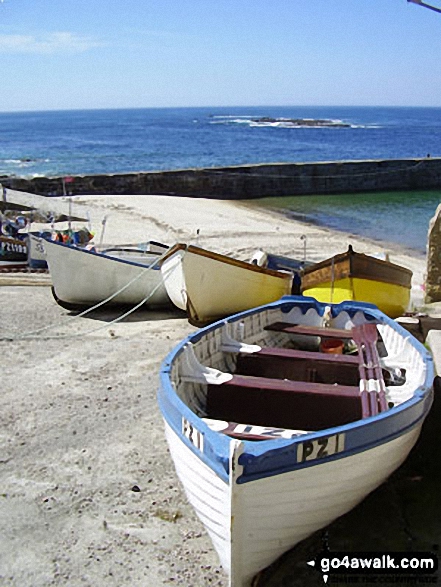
(322, 331)
(307, 355)
(250, 382)
(302, 390)
(299, 365)
(297, 405)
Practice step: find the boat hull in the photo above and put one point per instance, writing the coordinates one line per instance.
(259, 499)
(209, 286)
(83, 277)
(264, 527)
(390, 298)
(36, 251)
(357, 277)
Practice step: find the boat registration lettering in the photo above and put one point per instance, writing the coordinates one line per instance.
(320, 448)
(39, 247)
(9, 247)
(193, 434)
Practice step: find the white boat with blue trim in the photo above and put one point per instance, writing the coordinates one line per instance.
(83, 277)
(273, 437)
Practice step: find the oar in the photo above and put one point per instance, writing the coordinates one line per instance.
(364, 394)
(370, 336)
(372, 385)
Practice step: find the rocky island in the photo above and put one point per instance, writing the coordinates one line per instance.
(300, 122)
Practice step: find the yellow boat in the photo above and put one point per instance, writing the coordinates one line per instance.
(358, 277)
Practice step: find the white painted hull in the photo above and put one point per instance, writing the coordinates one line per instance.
(252, 524)
(207, 493)
(84, 278)
(209, 286)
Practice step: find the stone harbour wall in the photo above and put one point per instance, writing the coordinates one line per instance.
(250, 181)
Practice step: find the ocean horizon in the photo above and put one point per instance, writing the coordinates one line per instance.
(86, 142)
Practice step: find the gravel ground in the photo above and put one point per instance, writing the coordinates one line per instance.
(89, 495)
(88, 490)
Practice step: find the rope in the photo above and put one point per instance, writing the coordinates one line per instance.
(332, 279)
(31, 334)
(92, 330)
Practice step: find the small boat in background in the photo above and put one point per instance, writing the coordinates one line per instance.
(13, 243)
(36, 251)
(273, 436)
(13, 252)
(282, 263)
(82, 277)
(359, 277)
(83, 238)
(209, 285)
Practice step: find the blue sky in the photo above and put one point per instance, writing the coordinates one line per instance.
(62, 54)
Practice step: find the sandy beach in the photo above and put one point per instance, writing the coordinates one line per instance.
(89, 496)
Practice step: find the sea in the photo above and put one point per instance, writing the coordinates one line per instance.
(63, 143)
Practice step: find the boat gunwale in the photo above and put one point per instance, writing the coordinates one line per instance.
(154, 265)
(351, 264)
(286, 275)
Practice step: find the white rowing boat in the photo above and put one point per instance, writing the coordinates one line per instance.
(85, 277)
(273, 438)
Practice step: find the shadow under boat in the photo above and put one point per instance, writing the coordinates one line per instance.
(116, 313)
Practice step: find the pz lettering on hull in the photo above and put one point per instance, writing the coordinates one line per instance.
(320, 448)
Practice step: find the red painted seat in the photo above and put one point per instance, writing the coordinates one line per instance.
(297, 405)
(299, 365)
(322, 331)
